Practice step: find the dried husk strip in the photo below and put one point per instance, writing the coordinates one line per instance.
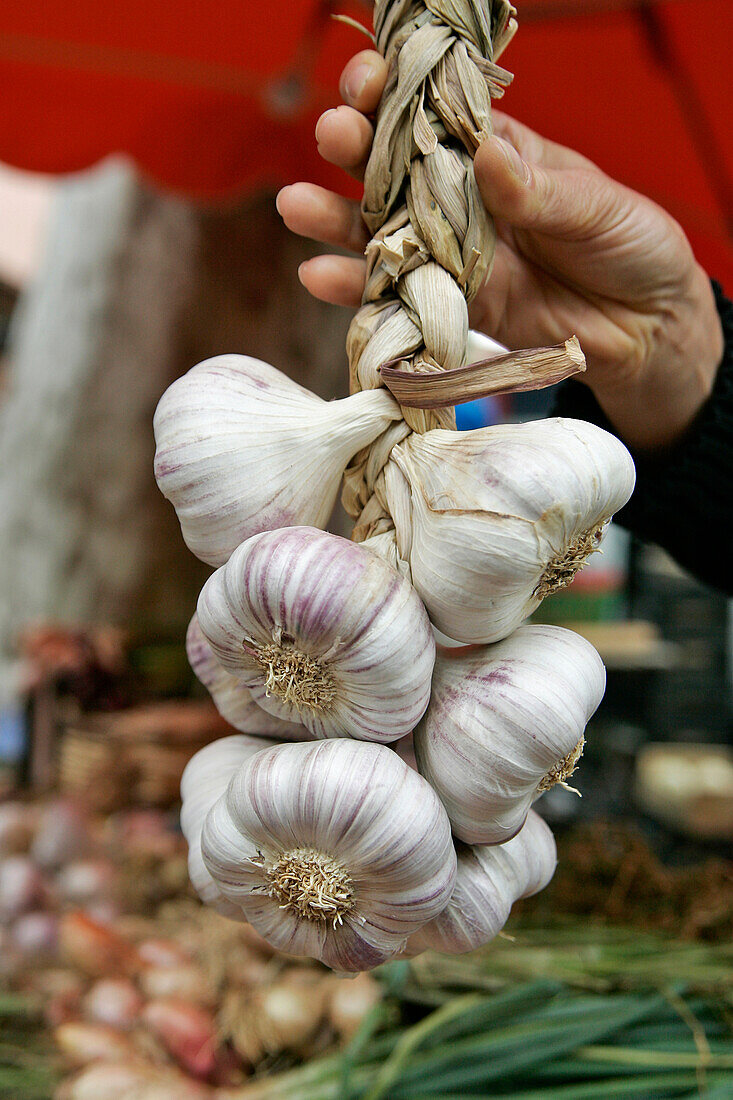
(532, 369)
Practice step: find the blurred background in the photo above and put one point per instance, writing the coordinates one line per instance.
(141, 145)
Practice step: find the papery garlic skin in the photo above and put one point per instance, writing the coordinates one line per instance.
(488, 882)
(336, 850)
(231, 698)
(241, 448)
(204, 780)
(489, 521)
(505, 722)
(322, 632)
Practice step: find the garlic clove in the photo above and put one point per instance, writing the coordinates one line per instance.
(35, 936)
(113, 1001)
(131, 1078)
(500, 517)
(187, 981)
(489, 880)
(505, 723)
(241, 448)
(84, 882)
(232, 699)
(22, 887)
(95, 949)
(161, 953)
(322, 632)
(17, 826)
(288, 1015)
(187, 1031)
(63, 833)
(81, 1043)
(351, 1001)
(336, 850)
(204, 780)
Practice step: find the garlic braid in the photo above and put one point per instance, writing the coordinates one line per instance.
(433, 241)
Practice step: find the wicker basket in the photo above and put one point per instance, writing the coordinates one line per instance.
(135, 757)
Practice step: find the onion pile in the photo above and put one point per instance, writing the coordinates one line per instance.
(182, 1006)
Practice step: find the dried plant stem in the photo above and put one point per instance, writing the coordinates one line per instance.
(432, 239)
(533, 369)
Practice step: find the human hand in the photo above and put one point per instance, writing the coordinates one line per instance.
(576, 252)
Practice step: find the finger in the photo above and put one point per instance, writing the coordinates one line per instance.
(335, 279)
(535, 148)
(570, 203)
(363, 79)
(344, 138)
(314, 212)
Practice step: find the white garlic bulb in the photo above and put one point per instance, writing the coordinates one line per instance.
(232, 699)
(241, 448)
(204, 780)
(322, 632)
(489, 522)
(505, 723)
(334, 849)
(489, 880)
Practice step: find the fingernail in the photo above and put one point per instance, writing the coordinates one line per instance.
(355, 82)
(513, 159)
(300, 270)
(331, 111)
(277, 200)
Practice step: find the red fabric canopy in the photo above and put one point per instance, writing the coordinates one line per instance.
(214, 99)
(209, 99)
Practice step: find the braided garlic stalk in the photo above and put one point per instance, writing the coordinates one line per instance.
(433, 241)
(329, 842)
(452, 513)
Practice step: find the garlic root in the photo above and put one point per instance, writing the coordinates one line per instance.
(231, 698)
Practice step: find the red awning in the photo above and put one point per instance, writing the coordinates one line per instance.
(209, 99)
(214, 99)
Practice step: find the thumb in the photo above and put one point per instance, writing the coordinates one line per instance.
(566, 202)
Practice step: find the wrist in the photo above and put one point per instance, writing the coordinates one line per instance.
(654, 409)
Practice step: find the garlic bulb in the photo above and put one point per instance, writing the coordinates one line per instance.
(241, 448)
(489, 522)
(506, 723)
(232, 699)
(488, 882)
(336, 850)
(322, 632)
(204, 780)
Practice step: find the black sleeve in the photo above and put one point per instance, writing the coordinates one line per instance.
(683, 499)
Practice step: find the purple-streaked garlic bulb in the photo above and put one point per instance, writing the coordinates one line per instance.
(489, 879)
(204, 780)
(489, 522)
(505, 723)
(336, 850)
(241, 448)
(232, 699)
(322, 632)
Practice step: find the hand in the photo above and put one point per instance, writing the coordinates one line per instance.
(576, 253)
